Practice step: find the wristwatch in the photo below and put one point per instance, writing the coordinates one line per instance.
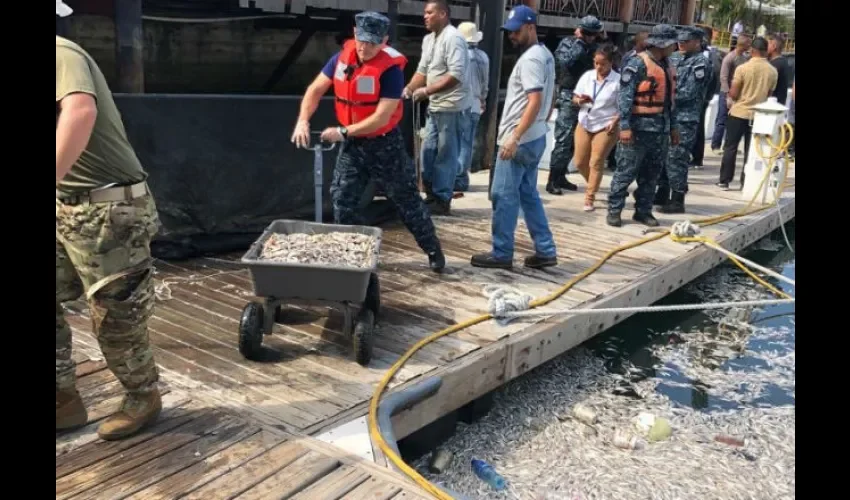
(343, 132)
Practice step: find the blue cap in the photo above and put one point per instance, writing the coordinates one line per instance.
(371, 27)
(688, 33)
(662, 36)
(590, 24)
(518, 16)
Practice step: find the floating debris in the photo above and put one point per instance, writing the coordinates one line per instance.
(740, 446)
(340, 249)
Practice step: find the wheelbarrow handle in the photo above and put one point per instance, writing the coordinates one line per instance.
(319, 144)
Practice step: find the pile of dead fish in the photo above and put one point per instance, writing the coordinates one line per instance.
(339, 249)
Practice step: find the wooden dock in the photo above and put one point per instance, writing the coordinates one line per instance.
(226, 413)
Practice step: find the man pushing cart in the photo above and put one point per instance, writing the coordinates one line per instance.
(367, 79)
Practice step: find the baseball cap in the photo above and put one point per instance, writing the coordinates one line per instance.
(62, 9)
(518, 16)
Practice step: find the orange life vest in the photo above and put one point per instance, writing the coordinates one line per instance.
(650, 93)
(357, 86)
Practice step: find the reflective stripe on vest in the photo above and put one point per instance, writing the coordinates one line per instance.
(357, 86)
(650, 93)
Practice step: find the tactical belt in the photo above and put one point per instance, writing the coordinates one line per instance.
(106, 195)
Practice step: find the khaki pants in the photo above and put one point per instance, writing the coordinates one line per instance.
(591, 151)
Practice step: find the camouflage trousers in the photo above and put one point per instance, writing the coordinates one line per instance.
(103, 251)
(385, 160)
(642, 160)
(565, 128)
(674, 175)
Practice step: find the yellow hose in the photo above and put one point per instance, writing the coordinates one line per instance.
(374, 429)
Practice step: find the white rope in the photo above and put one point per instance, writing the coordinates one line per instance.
(626, 310)
(685, 229)
(504, 300)
(505, 303)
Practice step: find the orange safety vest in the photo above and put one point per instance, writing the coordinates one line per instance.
(357, 86)
(650, 93)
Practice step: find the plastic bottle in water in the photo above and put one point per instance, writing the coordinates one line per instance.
(488, 474)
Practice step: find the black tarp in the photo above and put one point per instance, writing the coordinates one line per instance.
(222, 167)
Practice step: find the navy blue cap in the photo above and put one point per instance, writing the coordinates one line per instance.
(371, 27)
(518, 16)
(688, 33)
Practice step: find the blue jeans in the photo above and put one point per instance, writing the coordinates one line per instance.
(515, 186)
(720, 122)
(467, 144)
(441, 152)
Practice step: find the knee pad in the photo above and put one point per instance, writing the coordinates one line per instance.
(124, 303)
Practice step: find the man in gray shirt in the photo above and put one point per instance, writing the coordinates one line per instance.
(477, 83)
(440, 78)
(522, 140)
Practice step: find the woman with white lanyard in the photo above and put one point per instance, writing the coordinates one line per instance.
(598, 121)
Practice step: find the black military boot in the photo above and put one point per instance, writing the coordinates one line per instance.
(614, 219)
(662, 197)
(645, 219)
(437, 260)
(676, 204)
(489, 261)
(563, 183)
(440, 207)
(539, 262)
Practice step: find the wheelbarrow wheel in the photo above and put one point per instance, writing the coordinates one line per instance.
(373, 295)
(362, 336)
(251, 330)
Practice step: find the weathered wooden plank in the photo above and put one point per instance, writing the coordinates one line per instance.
(72, 444)
(293, 478)
(334, 485)
(209, 468)
(216, 439)
(89, 477)
(373, 489)
(253, 472)
(172, 417)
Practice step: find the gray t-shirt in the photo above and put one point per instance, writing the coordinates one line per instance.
(441, 55)
(534, 72)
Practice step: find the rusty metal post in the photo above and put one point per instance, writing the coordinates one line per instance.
(392, 13)
(492, 16)
(129, 46)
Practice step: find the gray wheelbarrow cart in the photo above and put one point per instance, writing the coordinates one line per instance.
(355, 290)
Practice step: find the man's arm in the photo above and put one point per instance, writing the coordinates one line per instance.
(313, 95)
(533, 78)
(457, 63)
(419, 78)
(626, 96)
(485, 85)
(78, 113)
(381, 116)
(391, 84)
(725, 67)
(737, 85)
(76, 99)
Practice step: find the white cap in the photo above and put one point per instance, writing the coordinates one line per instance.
(62, 9)
(470, 32)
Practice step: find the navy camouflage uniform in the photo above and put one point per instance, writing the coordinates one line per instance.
(385, 160)
(692, 78)
(573, 58)
(645, 157)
